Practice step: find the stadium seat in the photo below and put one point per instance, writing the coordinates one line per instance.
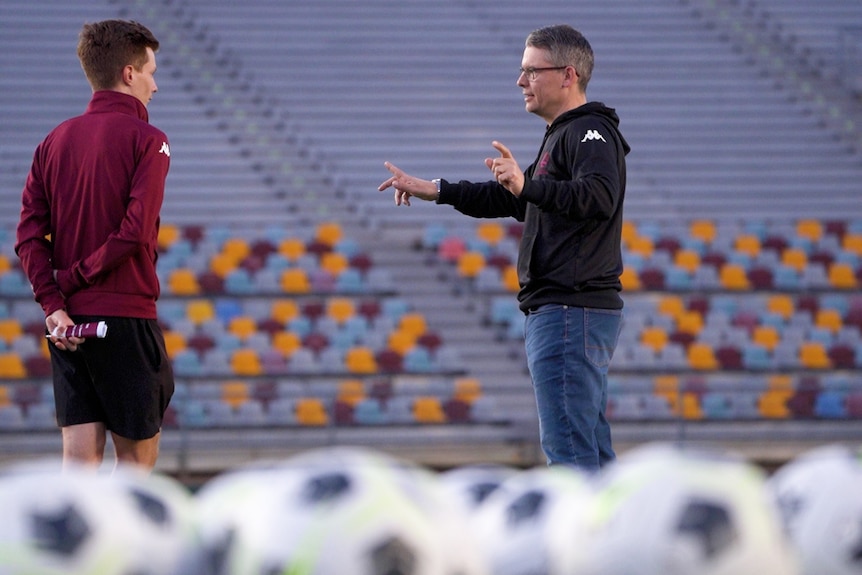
(830, 405)
(510, 279)
(183, 282)
(334, 262)
(795, 258)
(351, 391)
(812, 355)
(734, 277)
(773, 404)
(428, 409)
(655, 338)
(292, 248)
(310, 411)
(810, 229)
(702, 357)
(246, 362)
(295, 281)
(360, 359)
(234, 393)
(340, 309)
(200, 311)
(451, 248)
(467, 389)
(630, 280)
(242, 326)
(491, 232)
(369, 411)
(704, 230)
(470, 263)
(329, 233)
(842, 276)
(747, 244)
(10, 330)
(12, 366)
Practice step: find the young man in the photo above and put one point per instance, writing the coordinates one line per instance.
(87, 239)
(569, 264)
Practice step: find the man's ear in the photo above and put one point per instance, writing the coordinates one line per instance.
(128, 74)
(571, 78)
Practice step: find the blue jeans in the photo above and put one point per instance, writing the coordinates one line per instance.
(568, 351)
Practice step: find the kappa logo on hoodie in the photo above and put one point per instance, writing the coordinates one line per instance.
(166, 150)
(593, 135)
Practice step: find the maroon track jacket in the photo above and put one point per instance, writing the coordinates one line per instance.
(90, 211)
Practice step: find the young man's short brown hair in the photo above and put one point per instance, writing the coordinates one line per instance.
(106, 47)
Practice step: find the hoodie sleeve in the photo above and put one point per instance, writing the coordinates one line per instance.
(583, 178)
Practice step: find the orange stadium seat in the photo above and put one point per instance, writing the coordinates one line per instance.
(630, 279)
(467, 389)
(295, 280)
(360, 359)
(813, 355)
(286, 342)
(703, 230)
(702, 357)
(671, 305)
(235, 393)
(10, 330)
(428, 409)
(470, 264)
(842, 276)
(245, 361)
(689, 260)
(795, 258)
(733, 277)
(340, 309)
(413, 323)
(810, 230)
(351, 391)
(691, 407)
(310, 411)
(642, 245)
(175, 342)
(781, 304)
(328, 233)
(200, 311)
(183, 281)
(490, 232)
(510, 278)
(168, 234)
(654, 337)
(292, 248)
(766, 336)
(242, 326)
(334, 262)
(829, 319)
(629, 232)
(11, 366)
(284, 310)
(748, 244)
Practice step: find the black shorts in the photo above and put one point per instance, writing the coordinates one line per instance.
(124, 380)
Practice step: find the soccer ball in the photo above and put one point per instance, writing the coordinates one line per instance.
(662, 510)
(162, 531)
(80, 521)
(332, 511)
(532, 522)
(820, 496)
(470, 485)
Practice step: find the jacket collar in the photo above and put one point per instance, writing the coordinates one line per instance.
(113, 101)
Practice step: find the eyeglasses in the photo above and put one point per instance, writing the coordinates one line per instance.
(533, 73)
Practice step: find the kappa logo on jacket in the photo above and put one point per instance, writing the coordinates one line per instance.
(593, 135)
(166, 150)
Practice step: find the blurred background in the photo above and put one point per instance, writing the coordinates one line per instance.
(302, 309)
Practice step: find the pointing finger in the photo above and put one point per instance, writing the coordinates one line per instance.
(504, 151)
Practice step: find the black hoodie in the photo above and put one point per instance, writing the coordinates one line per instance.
(572, 206)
